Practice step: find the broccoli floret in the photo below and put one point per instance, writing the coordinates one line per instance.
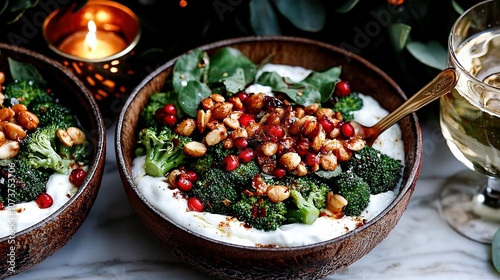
(40, 149)
(260, 213)
(156, 101)
(244, 173)
(348, 104)
(310, 187)
(20, 182)
(53, 113)
(164, 149)
(305, 213)
(80, 154)
(212, 159)
(21, 92)
(355, 190)
(216, 191)
(380, 171)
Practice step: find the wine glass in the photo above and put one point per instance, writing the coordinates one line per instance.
(470, 123)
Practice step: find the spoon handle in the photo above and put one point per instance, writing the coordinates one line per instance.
(443, 83)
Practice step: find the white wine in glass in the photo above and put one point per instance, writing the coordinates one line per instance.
(470, 123)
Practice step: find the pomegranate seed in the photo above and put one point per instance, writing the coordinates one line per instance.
(1, 205)
(275, 131)
(230, 163)
(44, 201)
(312, 159)
(191, 176)
(159, 115)
(327, 124)
(76, 176)
(169, 120)
(279, 172)
(347, 130)
(246, 155)
(342, 88)
(183, 183)
(195, 204)
(246, 119)
(170, 109)
(240, 143)
(242, 96)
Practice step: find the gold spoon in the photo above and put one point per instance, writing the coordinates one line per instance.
(443, 83)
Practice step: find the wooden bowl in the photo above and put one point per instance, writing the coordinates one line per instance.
(225, 261)
(41, 240)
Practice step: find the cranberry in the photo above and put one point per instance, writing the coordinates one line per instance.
(246, 119)
(77, 176)
(169, 120)
(44, 201)
(279, 172)
(242, 96)
(1, 205)
(246, 155)
(230, 163)
(275, 131)
(312, 159)
(183, 183)
(170, 109)
(195, 204)
(327, 124)
(191, 176)
(347, 130)
(240, 142)
(342, 88)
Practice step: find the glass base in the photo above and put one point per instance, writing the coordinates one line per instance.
(461, 207)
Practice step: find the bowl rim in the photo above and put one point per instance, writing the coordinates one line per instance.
(403, 189)
(99, 147)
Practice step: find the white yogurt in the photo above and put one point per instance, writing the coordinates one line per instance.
(227, 229)
(23, 215)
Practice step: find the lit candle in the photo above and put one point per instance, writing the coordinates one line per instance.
(93, 43)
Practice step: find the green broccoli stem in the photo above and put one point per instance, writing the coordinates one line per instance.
(164, 161)
(306, 212)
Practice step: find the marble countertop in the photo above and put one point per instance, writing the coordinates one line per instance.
(113, 244)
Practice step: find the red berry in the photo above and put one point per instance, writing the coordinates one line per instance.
(1, 205)
(240, 142)
(327, 124)
(342, 88)
(275, 131)
(242, 96)
(230, 163)
(347, 130)
(77, 176)
(169, 120)
(159, 115)
(312, 159)
(195, 204)
(183, 183)
(170, 109)
(279, 172)
(246, 119)
(44, 201)
(246, 155)
(191, 176)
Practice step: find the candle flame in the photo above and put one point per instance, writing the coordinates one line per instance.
(91, 38)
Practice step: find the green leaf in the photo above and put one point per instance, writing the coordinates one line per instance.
(307, 15)
(324, 81)
(399, 32)
(235, 82)
(226, 62)
(457, 7)
(431, 54)
(495, 250)
(301, 93)
(21, 5)
(349, 5)
(190, 96)
(263, 19)
(25, 72)
(187, 68)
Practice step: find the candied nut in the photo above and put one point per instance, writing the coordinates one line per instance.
(327, 112)
(2, 78)
(255, 102)
(195, 149)
(172, 177)
(19, 108)
(2, 138)
(342, 154)
(202, 119)
(274, 118)
(239, 132)
(9, 149)
(318, 140)
(296, 126)
(332, 145)
(236, 101)
(328, 161)
(14, 131)
(301, 169)
(186, 127)
(208, 103)
(215, 136)
(64, 137)
(300, 112)
(334, 133)
(252, 129)
(310, 124)
(27, 120)
(277, 193)
(269, 148)
(355, 144)
(335, 203)
(217, 97)
(6, 114)
(76, 135)
(311, 109)
(290, 160)
(232, 123)
(228, 143)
